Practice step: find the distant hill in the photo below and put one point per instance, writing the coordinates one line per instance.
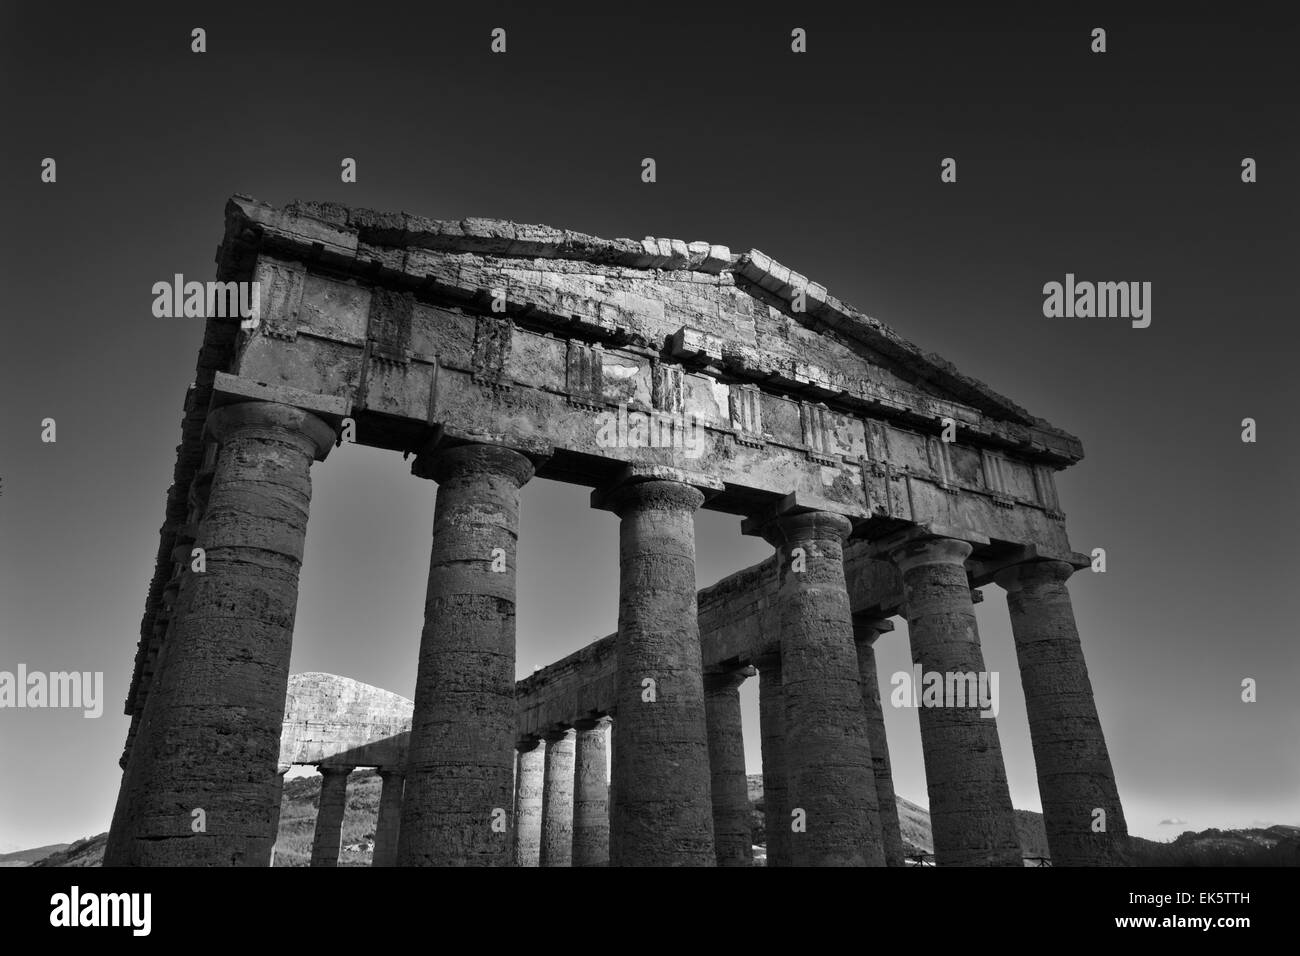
(1270, 846)
(914, 823)
(87, 852)
(28, 857)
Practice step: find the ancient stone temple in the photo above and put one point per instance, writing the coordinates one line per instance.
(666, 376)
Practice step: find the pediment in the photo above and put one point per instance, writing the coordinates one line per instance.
(738, 317)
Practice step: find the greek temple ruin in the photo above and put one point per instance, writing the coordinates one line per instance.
(887, 483)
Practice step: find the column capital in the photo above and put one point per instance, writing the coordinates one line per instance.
(592, 723)
(782, 526)
(867, 630)
(556, 734)
(930, 550)
(327, 770)
(528, 744)
(386, 772)
(663, 494)
(717, 681)
(1033, 573)
(229, 420)
(443, 462)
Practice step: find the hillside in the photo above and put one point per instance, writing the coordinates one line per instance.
(914, 823)
(1270, 846)
(28, 857)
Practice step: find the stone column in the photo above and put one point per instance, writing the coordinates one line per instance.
(210, 736)
(829, 773)
(662, 813)
(528, 802)
(175, 598)
(1075, 778)
(771, 725)
(274, 835)
(329, 816)
(389, 817)
(970, 806)
(557, 800)
(591, 794)
(458, 773)
(865, 634)
(733, 837)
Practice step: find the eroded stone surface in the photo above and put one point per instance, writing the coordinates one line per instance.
(591, 794)
(1075, 778)
(730, 789)
(829, 775)
(557, 800)
(865, 634)
(771, 720)
(529, 777)
(459, 773)
(970, 806)
(196, 751)
(662, 813)
(389, 818)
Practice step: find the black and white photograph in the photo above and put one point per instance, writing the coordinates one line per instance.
(599, 435)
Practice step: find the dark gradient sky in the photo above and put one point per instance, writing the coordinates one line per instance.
(1123, 166)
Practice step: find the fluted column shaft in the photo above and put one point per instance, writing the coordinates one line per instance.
(388, 821)
(459, 773)
(865, 634)
(529, 776)
(203, 767)
(1075, 778)
(591, 794)
(829, 774)
(662, 813)
(329, 816)
(970, 806)
(557, 800)
(732, 832)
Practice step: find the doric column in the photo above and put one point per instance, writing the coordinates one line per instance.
(274, 834)
(771, 727)
(831, 787)
(591, 794)
(387, 823)
(865, 633)
(174, 600)
(329, 816)
(1075, 778)
(970, 807)
(662, 814)
(732, 833)
(528, 802)
(557, 800)
(458, 774)
(210, 737)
